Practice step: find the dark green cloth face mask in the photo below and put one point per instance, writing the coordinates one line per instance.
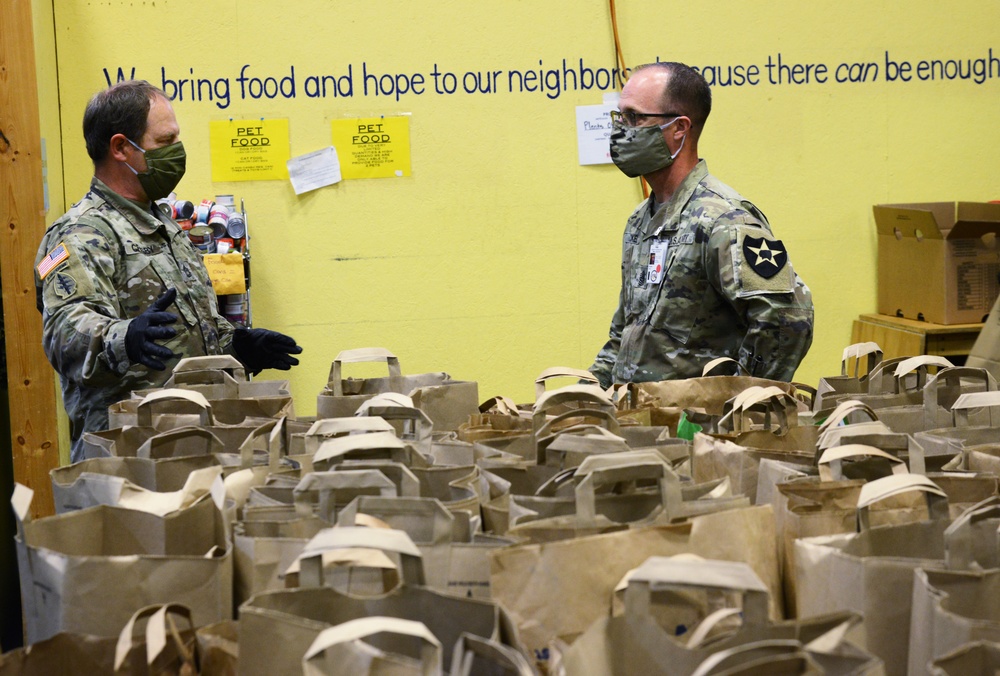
(639, 151)
(164, 169)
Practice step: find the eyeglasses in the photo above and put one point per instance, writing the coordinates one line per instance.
(629, 118)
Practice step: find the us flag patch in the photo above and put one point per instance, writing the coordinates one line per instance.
(52, 259)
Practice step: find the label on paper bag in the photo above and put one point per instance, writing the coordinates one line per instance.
(226, 273)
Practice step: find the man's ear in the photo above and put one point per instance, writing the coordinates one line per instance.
(681, 127)
(118, 147)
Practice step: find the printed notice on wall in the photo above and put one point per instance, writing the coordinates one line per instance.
(373, 147)
(249, 150)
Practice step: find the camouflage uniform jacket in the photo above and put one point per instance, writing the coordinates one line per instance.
(702, 278)
(103, 263)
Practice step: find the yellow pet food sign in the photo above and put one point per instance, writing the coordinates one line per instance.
(249, 150)
(373, 147)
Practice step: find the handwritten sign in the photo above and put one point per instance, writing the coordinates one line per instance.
(226, 273)
(593, 131)
(373, 147)
(249, 150)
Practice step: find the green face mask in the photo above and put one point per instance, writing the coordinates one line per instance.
(164, 169)
(639, 151)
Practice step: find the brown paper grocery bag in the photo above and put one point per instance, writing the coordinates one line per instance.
(342, 397)
(89, 570)
(593, 509)
(265, 544)
(218, 377)
(636, 643)
(292, 618)
(146, 644)
(455, 558)
(955, 606)
(70, 483)
(449, 404)
(872, 571)
(848, 382)
(402, 648)
(555, 590)
(961, 432)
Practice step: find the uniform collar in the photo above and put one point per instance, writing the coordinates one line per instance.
(138, 214)
(668, 217)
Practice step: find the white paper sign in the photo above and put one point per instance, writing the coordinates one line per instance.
(314, 170)
(593, 129)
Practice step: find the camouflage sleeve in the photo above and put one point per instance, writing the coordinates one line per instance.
(604, 363)
(82, 335)
(756, 277)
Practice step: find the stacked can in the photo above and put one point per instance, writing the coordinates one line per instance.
(234, 308)
(201, 234)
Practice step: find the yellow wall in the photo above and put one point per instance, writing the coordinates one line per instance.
(499, 255)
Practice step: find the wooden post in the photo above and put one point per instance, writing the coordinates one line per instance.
(33, 429)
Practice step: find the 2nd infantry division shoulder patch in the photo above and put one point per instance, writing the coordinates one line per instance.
(766, 257)
(764, 266)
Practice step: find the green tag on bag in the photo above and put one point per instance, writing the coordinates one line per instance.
(687, 429)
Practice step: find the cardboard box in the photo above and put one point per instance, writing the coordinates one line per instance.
(938, 261)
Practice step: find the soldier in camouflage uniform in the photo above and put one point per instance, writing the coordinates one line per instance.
(702, 275)
(108, 270)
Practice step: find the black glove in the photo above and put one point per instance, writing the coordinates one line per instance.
(149, 326)
(260, 349)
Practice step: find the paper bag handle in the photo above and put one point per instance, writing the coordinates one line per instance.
(582, 394)
(783, 655)
(669, 485)
(275, 433)
(958, 536)
(561, 372)
(856, 352)
(736, 368)
(830, 462)
(360, 355)
(144, 412)
(607, 419)
(504, 658)
(348, 537)
(327, 485)
(895, 484)
(156, 631)
(844, 409)
(406, 482)
(359, 629)
(972, 400)
(503, 405)
(214, 362)
(660, 572)
(191, 379)
(338, 447)
(20, 502)
(148, 449)
(918, 364)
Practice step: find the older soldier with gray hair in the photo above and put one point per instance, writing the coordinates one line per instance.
(122, 291)
(702, 275)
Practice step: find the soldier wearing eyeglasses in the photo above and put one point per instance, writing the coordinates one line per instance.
(702, 274)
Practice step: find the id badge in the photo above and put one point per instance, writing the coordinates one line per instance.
(657, 258)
